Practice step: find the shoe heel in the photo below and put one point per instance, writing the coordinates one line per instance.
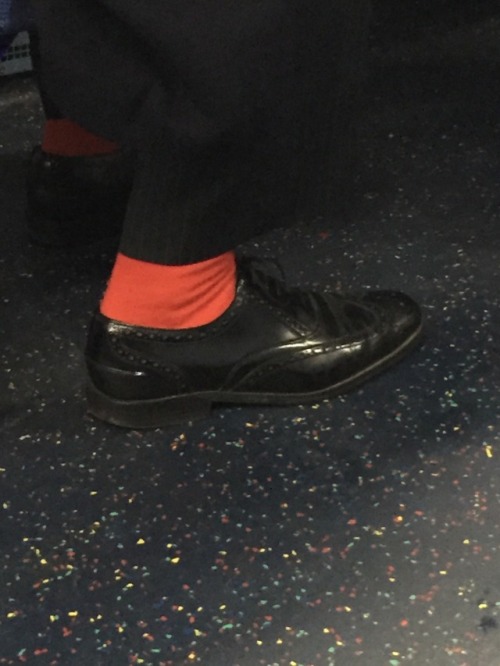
(146, 413)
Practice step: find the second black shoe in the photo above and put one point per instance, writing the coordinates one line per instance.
(77, 200)
(273, 346)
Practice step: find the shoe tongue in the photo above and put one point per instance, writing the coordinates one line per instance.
(304, 307)
(339, 315)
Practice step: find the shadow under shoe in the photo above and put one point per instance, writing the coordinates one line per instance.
(273, 346)
(77, 200)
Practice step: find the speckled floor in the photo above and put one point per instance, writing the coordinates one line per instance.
(362, 531)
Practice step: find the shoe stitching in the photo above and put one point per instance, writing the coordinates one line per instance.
(147, 363)
(301, 355)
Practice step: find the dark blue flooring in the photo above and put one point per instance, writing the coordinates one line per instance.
(362, 531)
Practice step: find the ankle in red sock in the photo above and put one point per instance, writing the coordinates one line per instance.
(170, 297)
(68, 139)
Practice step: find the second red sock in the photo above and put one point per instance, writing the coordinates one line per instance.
(68, 139)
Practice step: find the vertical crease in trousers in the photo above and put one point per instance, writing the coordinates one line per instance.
(241, 113)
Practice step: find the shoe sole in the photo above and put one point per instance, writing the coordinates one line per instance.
(181, 409)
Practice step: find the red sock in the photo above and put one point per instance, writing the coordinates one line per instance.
(172, 297)
(66, 138)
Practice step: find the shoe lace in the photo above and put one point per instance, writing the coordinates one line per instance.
(340, 314)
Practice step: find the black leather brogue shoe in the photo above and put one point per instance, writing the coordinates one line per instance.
(76, 200)
(273, 346)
